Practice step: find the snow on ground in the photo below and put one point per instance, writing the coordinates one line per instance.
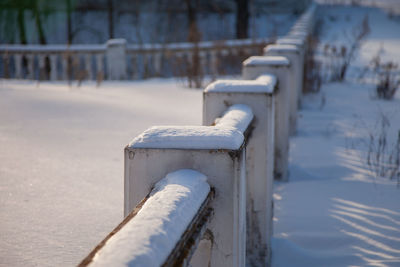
(61, 161)
(340, 21)
(332, 212)
(61, 165)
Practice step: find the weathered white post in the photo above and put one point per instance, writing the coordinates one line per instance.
(255, 66)
(116, 59)
(301, 46)
(220, 154)
(294, 55)
(259, 95)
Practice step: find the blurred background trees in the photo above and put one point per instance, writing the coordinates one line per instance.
(95, 21)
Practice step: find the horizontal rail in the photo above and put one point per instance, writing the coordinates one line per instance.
(186, 246)
(164, 228)
(131, 48)
(52, 48)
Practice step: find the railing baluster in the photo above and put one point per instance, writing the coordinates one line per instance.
(76, 66)
(135, 69)
(65, 68)
(203, 61)
(53, 67)
(6, 65)
(42, 71)
(146, 64)
(88, 66)
(214, 63)
(157, 57)
(18, 65)
(99, 67)
(31, 58)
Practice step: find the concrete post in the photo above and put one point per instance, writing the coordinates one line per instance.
(149, 159)
(280, 67)
(116, 59)
(301, 47)
(295, 82)
(259, 95)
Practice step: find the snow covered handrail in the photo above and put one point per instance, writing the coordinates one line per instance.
(206, 45)
(163, 229)
(115, 59)
(241, 147)
(54, 48)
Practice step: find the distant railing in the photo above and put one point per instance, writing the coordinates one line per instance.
(117, 60)
(240, 149)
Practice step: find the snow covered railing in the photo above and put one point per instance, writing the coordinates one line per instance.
(241, 148)
(217, 151)
(117, 60)
(53, 62)
(162, 228)
(179, 220)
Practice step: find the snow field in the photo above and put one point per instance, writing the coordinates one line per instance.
(61, 161)
(334, 211)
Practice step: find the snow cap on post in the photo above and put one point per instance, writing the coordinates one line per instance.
(275, 61)
(264, 84)
(238, 116)
(291, 41)
(116, 42)
(189, 137)
(281, 48)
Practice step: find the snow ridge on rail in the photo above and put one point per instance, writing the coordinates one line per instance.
(149, 237)
(228, 134)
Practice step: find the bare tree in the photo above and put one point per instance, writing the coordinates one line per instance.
(68, 8)
(242, 18)
(194, 36)
(110, 9)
